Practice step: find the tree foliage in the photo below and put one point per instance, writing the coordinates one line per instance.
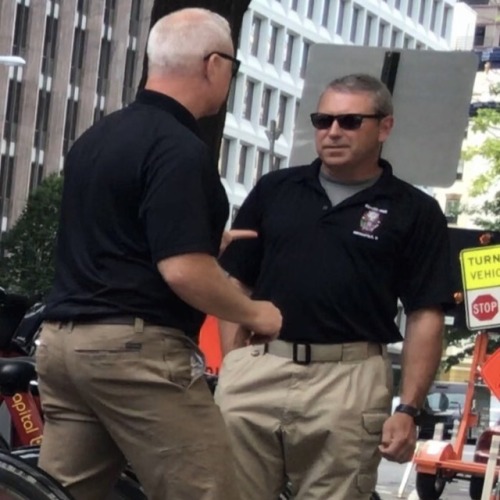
(27, 266)
(484, 210)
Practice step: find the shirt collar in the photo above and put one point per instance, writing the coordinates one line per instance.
(312, 173)
(169, 105)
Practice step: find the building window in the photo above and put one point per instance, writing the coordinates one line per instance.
(255, 36)
(103, 71)
(277, 163)
(242, 164)
(50, 44)
(395, 38)
(282, 109)
(368, 30)
(407, 42)
(266, 103)
(42, 119)
(294, 5)
(287, 62)
(231, 97)
(273, 41)
(305, 57)
(70, 125)
(128, 80)
(6, 176)
(36, 175)
(356, 11)
(421, 16)
(452, 208)
(409, 10)
(12, 110)
(223, 157)
(78, 56)
(479, 35)
(434, 15)
(325, 18)
(381, 34)
(259, 170)
(248, 102)
(135, 18)
(109, 12)
(21, 29)
(310, 9)
(397, 4)
(446, 21)
(340, 17)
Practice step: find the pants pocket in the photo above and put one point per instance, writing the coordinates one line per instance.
(373, 422)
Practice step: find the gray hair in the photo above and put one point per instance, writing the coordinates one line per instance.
(360, 82)
(179, 39)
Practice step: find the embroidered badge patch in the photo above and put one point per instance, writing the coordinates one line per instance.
(370, 221)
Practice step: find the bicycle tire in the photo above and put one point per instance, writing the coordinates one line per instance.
(27, 482)
(126, 487)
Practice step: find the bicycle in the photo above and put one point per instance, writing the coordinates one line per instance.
(18, 391)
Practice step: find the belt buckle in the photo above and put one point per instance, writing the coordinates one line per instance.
(307, 354)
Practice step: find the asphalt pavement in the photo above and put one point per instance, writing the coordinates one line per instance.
(390, 476)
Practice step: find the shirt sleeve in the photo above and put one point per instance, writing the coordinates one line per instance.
(174, 206)
(425, 274)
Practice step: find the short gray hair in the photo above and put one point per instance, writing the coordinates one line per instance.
(360, 82)
(179, 39)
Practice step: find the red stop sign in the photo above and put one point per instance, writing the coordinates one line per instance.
(485, 307)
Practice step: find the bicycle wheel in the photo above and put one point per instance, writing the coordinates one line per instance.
(21, 481)
(126, 488)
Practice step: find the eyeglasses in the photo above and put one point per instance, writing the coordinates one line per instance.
(349, 121)
(235, 62)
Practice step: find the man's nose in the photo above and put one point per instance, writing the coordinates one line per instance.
(335, 128)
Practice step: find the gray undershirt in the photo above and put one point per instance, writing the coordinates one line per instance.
(338, 191)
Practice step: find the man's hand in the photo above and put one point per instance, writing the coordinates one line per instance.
(399, 437)
(266, 323)
(235, 234)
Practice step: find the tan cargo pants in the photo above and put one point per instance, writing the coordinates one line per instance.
(318, 424)
(118, 393)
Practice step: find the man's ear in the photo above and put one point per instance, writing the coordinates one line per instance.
(211, 67)
(385, 128)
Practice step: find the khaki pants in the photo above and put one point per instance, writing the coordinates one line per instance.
(118, 393)
(318, 425)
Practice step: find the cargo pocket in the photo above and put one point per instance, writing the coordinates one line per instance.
(369, 456)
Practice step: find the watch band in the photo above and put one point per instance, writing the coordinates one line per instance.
(412, 411)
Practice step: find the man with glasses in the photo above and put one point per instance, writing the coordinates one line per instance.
(143, 213)
(340, 240)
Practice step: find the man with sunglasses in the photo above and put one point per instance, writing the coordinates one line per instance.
(142, 219)
(340, 241)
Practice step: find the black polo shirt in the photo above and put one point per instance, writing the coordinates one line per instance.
(138, 187)
(336, 272)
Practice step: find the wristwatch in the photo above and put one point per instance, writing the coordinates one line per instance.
(409, 410)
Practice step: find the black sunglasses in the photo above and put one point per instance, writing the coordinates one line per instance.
(236, 62)
(349, 121)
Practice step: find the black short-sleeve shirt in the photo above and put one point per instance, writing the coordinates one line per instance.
(337, 272)
(139, 187)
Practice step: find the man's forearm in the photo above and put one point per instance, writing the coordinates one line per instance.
(232, 336)
(200, 281)
(422, 349)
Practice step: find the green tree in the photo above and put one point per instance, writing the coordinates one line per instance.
(484, 209)
(28, 248)
(485, 196)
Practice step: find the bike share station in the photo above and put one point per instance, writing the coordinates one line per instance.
(438, 462)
